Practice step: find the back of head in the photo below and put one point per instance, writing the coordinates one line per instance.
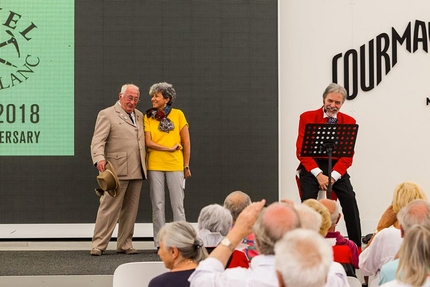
(309, 218)
(414, 256)
(214, 223)
(235, 202)
(323, 211)
(333, 208)
(271, 225)
(404, 193)
(182, 235)
(416, 212)
(303, 258)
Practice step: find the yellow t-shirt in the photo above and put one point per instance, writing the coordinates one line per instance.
(165, 160)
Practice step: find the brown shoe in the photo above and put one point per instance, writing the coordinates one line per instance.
(96, 252)
(128, 251)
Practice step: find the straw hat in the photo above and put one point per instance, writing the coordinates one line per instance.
(108, 181)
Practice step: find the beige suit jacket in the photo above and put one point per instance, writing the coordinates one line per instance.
(119, 142)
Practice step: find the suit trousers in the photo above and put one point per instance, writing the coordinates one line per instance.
(157, 181)
(345, 193)
(122, 209)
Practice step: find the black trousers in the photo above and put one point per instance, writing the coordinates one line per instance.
(345, 193)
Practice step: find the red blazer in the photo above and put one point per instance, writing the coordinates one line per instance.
(317, 117)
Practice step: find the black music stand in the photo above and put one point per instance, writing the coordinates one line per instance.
(327, 140)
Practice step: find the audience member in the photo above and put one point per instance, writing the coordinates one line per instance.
(345, 251)
(270, 226)
(214, 223)
(417, 212)
(308, 219)
(302, 259)
(323, 211)
(404, 193)
(181, 251)
(236, 202)
(386, 243)
(414, 259)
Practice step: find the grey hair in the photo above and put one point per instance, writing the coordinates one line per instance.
(335, 214)
(303, 258)
(309, 217)
(416, 212)
(125, 86)
(236, 202)
(272, 223)
(182, 235)
(335, 88)
(165, 89)
(215, 218)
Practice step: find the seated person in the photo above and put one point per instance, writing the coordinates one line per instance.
(387, 239)
(404, 193)
(235, 202)
(271, 223)
(312, 220)
(414, 259)
(345, 251)
(302, 259)
(214, 223)
(416, 212)
(181, 251)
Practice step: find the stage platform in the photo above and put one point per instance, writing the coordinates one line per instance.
(64, 263)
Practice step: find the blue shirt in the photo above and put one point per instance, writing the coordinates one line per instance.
(388, 271)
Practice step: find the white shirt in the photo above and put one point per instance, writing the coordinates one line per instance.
(383, 248)
(211, 273)
(336, 276)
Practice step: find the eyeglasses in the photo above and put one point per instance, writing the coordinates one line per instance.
(131, 99)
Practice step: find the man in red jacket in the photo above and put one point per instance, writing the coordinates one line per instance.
(313, 174)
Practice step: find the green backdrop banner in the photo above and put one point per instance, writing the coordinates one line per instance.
(36, 78)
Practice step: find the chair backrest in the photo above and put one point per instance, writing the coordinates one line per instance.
(137, 273)
(354, 282)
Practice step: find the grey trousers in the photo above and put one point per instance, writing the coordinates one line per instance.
(157, 181)
(122, 209)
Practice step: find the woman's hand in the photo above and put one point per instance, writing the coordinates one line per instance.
(187, 172)
(175, 147)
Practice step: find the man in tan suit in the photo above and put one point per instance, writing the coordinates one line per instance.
(119, 139)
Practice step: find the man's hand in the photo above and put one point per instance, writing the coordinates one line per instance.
(323, 181)
(242, 228)
(101, 165)
(247, 218)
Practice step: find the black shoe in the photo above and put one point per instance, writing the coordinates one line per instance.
(367, 238)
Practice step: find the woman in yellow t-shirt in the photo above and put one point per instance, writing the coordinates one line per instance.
(168, 144)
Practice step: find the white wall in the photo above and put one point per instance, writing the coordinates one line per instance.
(392, 139)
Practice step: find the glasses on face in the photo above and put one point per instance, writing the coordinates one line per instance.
(131, 99)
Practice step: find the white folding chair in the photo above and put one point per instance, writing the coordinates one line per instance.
(137, 274)
(354, 282)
